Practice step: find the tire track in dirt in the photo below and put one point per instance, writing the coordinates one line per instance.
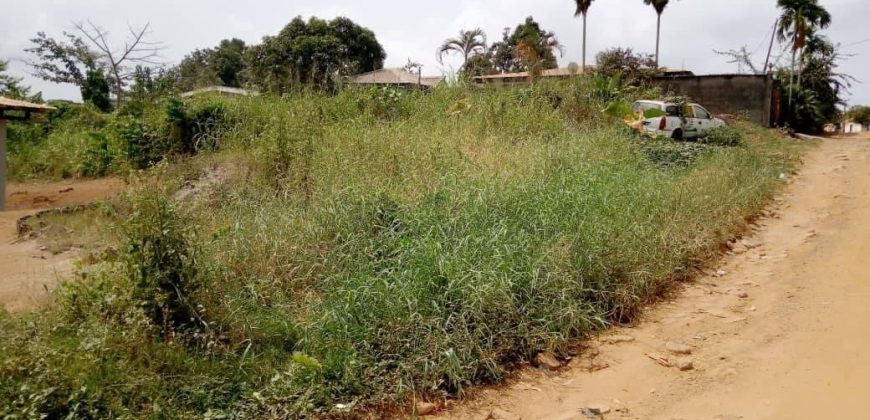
(778, 332)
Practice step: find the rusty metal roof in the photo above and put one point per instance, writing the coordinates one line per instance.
(16, 105)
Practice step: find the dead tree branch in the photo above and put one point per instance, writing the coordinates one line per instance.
(137, 50)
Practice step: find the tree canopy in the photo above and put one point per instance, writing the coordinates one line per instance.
(316, 51)
(222, 65)
(527, 47)
(467, 44)
(816, 100)
(799, 21)
(859, 114)
(632, 67)
(79, 56)
(12, 87)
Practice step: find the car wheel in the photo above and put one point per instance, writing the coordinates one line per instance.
(678, 134)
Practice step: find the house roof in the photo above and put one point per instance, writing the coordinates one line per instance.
(566, 72)
(562, 72)
(393, 76)
(16, 105)
(220, 89)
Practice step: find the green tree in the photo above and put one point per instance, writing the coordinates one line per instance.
(149, 86)
(62, 61)
(467, 44)
(316, 52)
(10, 86)
(859, 114)
(479, 65)
(222, 65)
(817, 101)
(633, 68)
(797, 23)
(659, 6)
(583, 10)
(527, 48)
(95, 90)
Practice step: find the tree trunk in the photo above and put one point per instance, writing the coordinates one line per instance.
(658, 38)
(584, 44)
(791, 76)
(800, 70)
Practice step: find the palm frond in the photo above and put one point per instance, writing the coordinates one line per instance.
(582, 7)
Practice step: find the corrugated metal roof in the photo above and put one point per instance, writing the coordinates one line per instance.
(16, 105)
(393, 76)
(563, 72)
(221, 90)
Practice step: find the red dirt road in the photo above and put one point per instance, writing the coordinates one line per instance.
(26, 272)
(779, 333)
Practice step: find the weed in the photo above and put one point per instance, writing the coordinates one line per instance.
(358, 253)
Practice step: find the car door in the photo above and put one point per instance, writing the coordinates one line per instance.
(703, 121)
(691, 125)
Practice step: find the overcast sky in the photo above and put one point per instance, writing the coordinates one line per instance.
(411, 29)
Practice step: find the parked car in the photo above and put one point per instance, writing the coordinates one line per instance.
(670, 120)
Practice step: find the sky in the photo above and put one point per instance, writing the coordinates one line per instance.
(691, 29)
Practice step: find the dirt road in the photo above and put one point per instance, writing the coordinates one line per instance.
(27, 272)
(779, 332)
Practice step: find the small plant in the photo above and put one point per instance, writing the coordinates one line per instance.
(668, 154)
(160, 261)
(386, 102)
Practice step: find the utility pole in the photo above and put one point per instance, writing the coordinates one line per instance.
(770, 49)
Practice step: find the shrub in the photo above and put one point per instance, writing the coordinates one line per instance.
(206, 125)
(98, 158)
(142, 147)
(160, 261)
(728, 136)
(387, 102)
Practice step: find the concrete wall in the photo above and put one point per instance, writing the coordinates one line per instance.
(727, 94)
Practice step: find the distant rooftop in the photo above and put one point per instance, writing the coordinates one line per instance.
(394, 76)
(16, 105)
(221, 90)
(572, 70)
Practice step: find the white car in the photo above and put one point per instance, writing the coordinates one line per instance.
(668, 120)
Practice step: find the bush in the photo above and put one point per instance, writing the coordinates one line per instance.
(160, 261)
(206, 125)
(98, 158)
(666, 153)
(727, 136)
(143, 148)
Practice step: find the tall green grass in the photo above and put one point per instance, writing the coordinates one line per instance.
(366, 248)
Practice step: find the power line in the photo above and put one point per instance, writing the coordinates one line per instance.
(863, 41)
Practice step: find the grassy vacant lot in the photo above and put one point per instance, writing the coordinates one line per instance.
(362, 249)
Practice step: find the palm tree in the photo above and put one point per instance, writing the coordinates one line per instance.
(583, 10)
(466, 44)
(799, 20)
(659, 5)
